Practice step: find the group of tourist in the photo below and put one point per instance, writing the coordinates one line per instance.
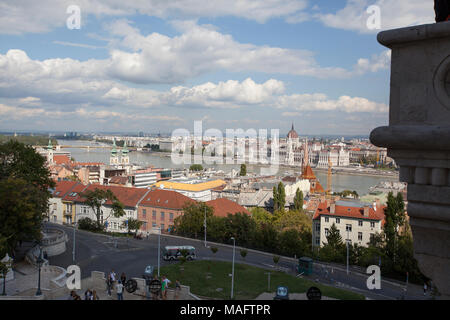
(88, 295)
(111, 279)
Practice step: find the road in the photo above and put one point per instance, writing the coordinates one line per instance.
(95, 252)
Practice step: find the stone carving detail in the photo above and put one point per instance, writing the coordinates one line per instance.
(441, 83)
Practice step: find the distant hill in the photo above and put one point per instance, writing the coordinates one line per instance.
(29, 140)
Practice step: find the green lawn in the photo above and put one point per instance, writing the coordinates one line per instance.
(205, 277)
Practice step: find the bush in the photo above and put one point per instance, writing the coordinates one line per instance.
(89, 225)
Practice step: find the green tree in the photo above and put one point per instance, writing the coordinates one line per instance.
(281, 196)
(191, 222)
(196, 167)
(133, 225)
(214, 250)
(276, 202)
(96, 198)
(276, 259)
(261, 216)
(24, 193)
(298, 200)
(243, 253)
(334, 239)
(240, 226)
(243, 170)
(394, 219)
(291, 219)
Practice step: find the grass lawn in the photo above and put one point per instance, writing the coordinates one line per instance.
(205, 277)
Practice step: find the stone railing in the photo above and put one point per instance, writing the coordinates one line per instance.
(418, 138)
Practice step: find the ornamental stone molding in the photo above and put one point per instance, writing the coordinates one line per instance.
(418, 138)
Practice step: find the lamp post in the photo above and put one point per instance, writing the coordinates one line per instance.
(348, 239)
(205, 226)
(232, 270)
(159, 248)
(39, 261)
(74, 242)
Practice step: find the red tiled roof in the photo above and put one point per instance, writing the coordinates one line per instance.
(349, 212)
(74, 193)
(165, 199)
(222, 207)
(61, 159)
(62, 187)
(308, 173)
(128, 196)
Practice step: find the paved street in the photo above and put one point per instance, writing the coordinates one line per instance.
(96, 252)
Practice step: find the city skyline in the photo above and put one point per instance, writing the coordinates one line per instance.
(158, 67)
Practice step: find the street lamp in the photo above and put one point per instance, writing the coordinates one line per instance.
(348, 239)
(232, 272)
(159, 248)
(205, 226)
(39, 261)
(74, 241)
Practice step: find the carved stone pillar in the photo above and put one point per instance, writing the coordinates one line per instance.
(418, 138)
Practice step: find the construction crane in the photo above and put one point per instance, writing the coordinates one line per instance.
(330, 165)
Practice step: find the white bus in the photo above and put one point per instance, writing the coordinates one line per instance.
(171, 253)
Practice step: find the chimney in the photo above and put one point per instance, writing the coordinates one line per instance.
(333, 208)
(366, 211)
(375, 206)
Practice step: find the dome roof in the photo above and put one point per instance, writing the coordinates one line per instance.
(292, 133)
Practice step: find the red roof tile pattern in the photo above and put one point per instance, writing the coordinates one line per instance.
(165, 199)
(222, 207)
(349, 212)
(62, 187)
(74, 193)
(61, 159)
(128, 196)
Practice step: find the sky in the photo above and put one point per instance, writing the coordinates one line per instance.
(157, 65)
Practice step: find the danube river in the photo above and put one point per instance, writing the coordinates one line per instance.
(341, 181)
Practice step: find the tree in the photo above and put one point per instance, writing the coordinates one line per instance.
(298, 200)
(243, 170)
(24, 193)
(196, 167)
(133, 225)
(243, 253)
(291, 220)
(240, 226)
(261, 216)
(276, 259)
(191, 222)
(281, 196)
(334, 239)
(394, 219)
(96, 198)
(214, 250)
(275, 198)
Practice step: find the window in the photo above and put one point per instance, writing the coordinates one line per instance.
(162, 226)
(372, 224)
(338, 220)
(348, 227)
(360, 236)
(154, 214)
(144, 213)
(317, 240)
(154, 225)
(317, 227)
(327, 232)
(162, 215)
(171, 216)
(327, 219)
(360, 223)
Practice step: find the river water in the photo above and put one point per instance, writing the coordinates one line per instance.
(340, 181)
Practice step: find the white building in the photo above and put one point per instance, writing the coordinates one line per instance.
(356, 223)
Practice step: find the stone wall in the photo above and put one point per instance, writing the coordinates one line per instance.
(418, 138)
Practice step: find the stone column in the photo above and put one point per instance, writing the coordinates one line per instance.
(418, 138)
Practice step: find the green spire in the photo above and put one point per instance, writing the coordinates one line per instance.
(50, 145)
(125, 149)
(114, 150)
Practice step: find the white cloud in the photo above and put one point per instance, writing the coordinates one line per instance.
(202, 49)
(393, 14)
(22, 16)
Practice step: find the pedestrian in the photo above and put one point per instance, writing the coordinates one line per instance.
(119, 290)
(94, 295)
(123, 278)
(72, 295)
(108, 284)
(88, 294)
(177, 288)
(424, 288)
(113, 276)
(166, 286)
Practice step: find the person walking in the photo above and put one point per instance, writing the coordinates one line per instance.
(123, 278)
(424, 288)
(88, 294)
(166, 286)
(119, 290)
(94, 295)
(109, 284)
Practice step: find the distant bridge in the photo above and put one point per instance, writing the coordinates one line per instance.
(98, 147)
